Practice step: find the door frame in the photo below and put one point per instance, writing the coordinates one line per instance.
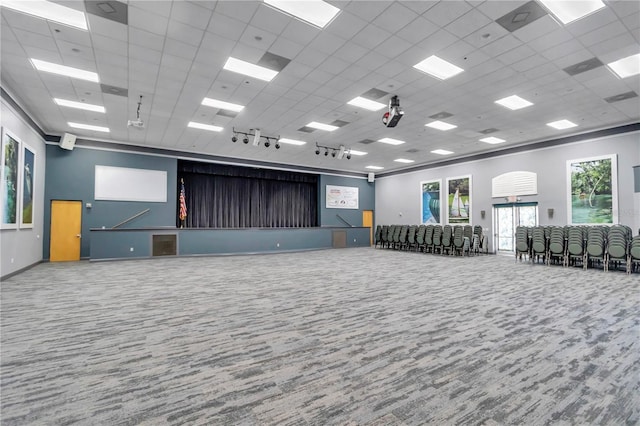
(51, 220)
(516, 222)
(364, 212)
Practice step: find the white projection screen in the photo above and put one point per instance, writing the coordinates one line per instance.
(125, 184)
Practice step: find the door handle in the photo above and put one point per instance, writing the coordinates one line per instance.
(79, 236)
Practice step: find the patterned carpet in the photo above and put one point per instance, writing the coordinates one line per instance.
(334, 337)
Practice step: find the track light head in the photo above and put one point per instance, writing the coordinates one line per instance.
(333, 153)
(349, 156)
(267, 144)
(245, 140)
(277, 145)
(326, 152)
(234, 139)
(317, 151)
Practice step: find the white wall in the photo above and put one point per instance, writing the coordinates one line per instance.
(20, 248)
(398, 197)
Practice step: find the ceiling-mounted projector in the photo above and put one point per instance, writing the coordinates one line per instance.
(139, 124)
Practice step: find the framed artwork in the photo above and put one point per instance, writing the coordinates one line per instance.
(592, 185)
(430, 202)
(459, 199)
(9, 179)
(27, 187)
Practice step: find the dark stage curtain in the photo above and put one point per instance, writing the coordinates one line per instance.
(220, 196)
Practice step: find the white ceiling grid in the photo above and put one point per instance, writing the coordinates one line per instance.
(172, 53)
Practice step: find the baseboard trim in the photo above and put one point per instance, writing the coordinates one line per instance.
(19, 271)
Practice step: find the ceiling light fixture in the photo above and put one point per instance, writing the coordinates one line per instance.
(569, 11)
(441, 152)
(256, 71)
(50, 11)
(366, 104)
(203, 126)
(322, 126)
(626, 67)
(79, 105)
(359, 153)
(64, 70)
(438, 67)
(391, 141)
(89, 127)
(562, 124)
(513, 102)
(403, 160)
(339, 153)
(441, 125)
(492, 140)
(257, 136)
(314, 12)
(291, 141)
(374, 168)
(215, 103)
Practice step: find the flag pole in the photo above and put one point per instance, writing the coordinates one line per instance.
(183, 204)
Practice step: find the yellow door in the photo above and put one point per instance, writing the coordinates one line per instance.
(66, 221)
(367, 221)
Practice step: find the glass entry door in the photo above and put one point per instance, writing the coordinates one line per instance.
(507, 218)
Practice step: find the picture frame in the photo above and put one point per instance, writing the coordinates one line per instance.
(27, 187)
(459, 202)
(9, 180)
(431, 202)
(592, 190)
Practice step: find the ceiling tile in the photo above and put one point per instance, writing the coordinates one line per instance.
(468, 23)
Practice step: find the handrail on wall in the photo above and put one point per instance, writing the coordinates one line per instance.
(130, 219)
(342, 219)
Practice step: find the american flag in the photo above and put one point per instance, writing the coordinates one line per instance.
(183, 203)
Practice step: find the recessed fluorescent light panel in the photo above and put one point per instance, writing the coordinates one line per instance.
(569, 11)
(66, 71)
(514, 102)
(246, 68)
(492, 140)
(314, 12)
(374, 167)
(437, 67)
(79, 105)
(403, 160)
(366, 104)
(441, 125)
(203, 126)
(391, 141)
(355, 152)
(441, 152)
(89, 127)
(626, 67)
(291, 141)
(562, 124)
(215, 103)
(50, 11)
(322, 126)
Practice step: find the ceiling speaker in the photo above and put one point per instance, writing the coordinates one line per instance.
(67, 141)
(371, 177)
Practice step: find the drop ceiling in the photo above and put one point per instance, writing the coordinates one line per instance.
(172, 54)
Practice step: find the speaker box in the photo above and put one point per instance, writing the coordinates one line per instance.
(371, 177)
(67, 141)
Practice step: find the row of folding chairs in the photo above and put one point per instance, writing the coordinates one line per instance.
(447, 239)
(608, 247)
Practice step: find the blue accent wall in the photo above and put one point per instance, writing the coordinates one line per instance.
(367, 201)
(70, 175)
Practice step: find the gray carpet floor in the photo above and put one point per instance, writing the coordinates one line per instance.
(334, 337)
